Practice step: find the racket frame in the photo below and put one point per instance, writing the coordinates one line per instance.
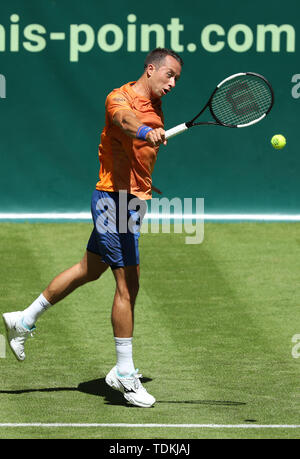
(182, 127)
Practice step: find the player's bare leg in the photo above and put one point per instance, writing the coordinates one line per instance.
(20, 324)
(88, 269)
(123, 376)
(127, 287)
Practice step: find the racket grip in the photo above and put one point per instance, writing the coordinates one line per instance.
(175, 130)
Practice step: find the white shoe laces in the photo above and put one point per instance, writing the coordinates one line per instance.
(134, 382)
(24, 334)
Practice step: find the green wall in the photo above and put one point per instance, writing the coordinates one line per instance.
(53, 110)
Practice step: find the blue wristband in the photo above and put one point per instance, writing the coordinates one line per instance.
(142, 132)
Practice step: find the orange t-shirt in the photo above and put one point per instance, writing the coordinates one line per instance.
(127, 163)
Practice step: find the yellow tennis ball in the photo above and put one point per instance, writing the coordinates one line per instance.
(278, 141)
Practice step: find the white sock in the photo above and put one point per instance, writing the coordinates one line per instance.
(125, 366)
(35, 310)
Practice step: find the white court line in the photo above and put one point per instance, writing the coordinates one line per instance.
(185, 426)
(148, 216)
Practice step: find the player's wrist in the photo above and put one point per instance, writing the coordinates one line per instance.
(142, 132)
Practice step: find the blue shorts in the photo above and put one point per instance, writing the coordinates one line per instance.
(117, 219)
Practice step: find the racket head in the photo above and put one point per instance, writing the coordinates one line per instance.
(241, 100)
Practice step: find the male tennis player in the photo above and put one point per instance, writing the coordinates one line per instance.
(130, 140)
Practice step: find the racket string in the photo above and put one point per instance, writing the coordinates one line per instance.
(241, 100)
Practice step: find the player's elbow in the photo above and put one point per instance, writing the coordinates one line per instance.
(121, 120)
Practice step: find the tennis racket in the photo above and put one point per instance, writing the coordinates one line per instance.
(238, 101)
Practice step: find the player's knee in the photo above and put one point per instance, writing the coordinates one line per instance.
(129, 290)
(90, 269)
(88, 275)
(92, 276)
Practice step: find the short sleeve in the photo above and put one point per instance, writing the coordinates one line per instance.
(116, 101)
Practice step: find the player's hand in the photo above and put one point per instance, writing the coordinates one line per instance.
(156, 137)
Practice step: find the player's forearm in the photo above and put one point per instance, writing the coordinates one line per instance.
(131, 125)
(127, 121)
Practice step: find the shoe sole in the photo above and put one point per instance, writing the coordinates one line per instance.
(140, 405)
(111, 383)
(7, 328)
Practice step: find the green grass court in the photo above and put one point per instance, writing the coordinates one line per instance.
(213, 335)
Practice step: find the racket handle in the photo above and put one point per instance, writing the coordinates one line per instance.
(175, 130)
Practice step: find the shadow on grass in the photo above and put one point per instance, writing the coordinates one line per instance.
(98, 387)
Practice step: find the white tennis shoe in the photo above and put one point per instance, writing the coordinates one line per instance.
(131, 387)
(16, 333)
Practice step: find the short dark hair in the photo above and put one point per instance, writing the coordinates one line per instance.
(157, 55)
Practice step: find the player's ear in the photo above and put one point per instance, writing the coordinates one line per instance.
(150, 69)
